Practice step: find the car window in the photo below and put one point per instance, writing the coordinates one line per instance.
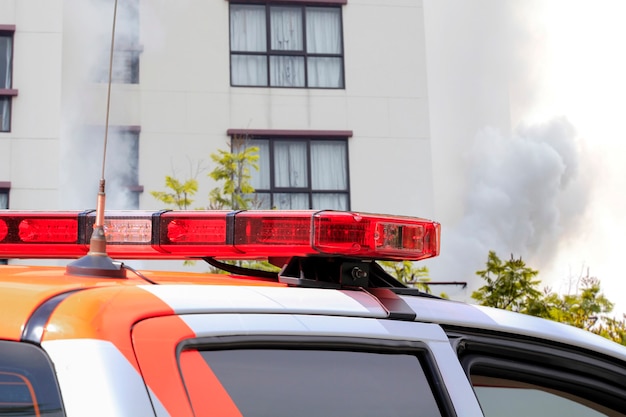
(512, 377)
(27, 383)
(308, 382)
(505, 397)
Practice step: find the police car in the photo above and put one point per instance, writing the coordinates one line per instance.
(331, 334)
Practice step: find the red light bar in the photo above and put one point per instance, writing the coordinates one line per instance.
(219, 234)
(35, 234)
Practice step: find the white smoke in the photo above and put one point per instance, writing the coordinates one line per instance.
(87, 41)
(524, 196)
(548, 191)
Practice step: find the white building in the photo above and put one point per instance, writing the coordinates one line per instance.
(333, 91)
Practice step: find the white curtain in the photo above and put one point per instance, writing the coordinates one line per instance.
(290, 201)
(323, 31)
(4, 200)
(287, 33)
(290, 164)
(5, 61)
(261, 179)
(287, 71)
(247, 28)
(330, 202)
(247, 34)
(328, 165)
(325, 72)
(249, 70)
(329, 172)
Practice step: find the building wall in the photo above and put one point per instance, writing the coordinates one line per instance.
(28, 153)
(184, 103)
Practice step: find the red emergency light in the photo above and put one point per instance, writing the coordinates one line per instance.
(253, 234)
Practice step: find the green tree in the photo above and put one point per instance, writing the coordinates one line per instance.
(233, 169)
(180, 193)
(407, 273)
(585, 309)
(511, 285)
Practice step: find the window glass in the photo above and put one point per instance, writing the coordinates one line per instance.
(325, 200)
(6, 57)
(287, 33)
(327, 165)
(247, 28)
(502, 397)
(302, 46)
(292, 201)
(303, 383)
(4, 198)
(6, 54)
(5, 114)
(287, 71)
(301, 174)
(249, 70)
(28, 386)
(323, 30)
(290, 164)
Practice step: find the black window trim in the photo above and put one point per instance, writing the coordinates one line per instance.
(302, 4)
(307, 136)
(332, 343)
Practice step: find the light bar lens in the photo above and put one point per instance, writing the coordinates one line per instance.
(378, 237)
(128, 230)
(39, 234)
(48, 230)
(220, 234)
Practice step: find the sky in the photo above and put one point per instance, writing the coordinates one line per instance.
(527, 108)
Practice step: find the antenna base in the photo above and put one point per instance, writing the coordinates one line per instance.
(96, 265)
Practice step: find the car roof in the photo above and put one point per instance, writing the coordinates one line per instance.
(25, 288)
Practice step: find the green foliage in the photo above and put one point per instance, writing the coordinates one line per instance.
(511, 286)
(407, 273)
(179, 194)
(584, 309)
(233, 170)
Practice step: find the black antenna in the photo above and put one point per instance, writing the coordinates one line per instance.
(97, 262)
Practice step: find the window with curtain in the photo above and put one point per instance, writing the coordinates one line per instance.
(301, 173)
(6, 76)
(286, 46)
